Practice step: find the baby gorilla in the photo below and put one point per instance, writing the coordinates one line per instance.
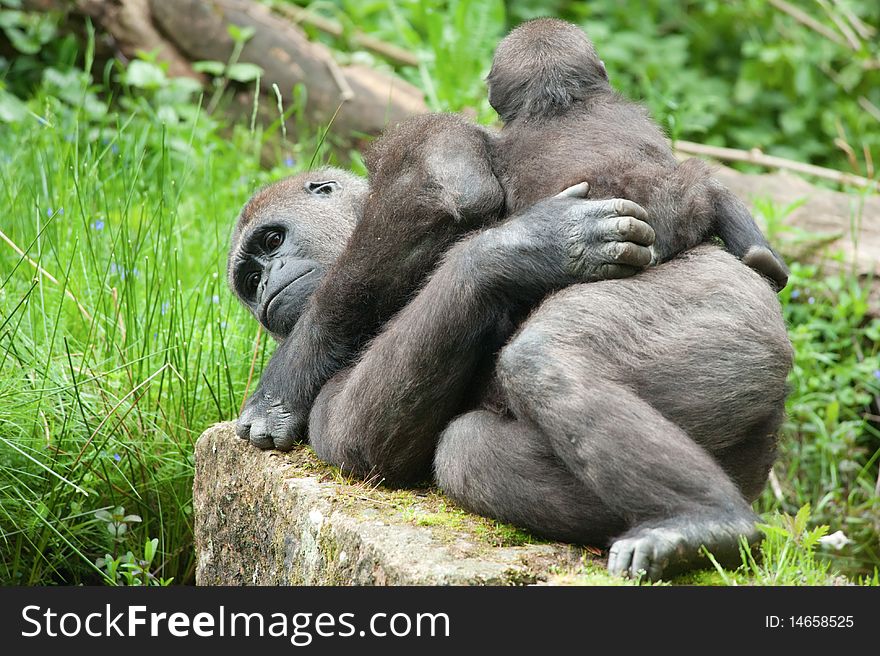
(564, 124)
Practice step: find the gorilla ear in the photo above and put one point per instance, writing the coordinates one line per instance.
(323, 188)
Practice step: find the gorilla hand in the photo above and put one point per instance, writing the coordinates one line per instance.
(562, 241)
(607, 239)
(267, 421)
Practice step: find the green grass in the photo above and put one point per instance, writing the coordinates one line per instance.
(101, 397)
(831, 441)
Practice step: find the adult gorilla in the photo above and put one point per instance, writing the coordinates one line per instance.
(639, 412)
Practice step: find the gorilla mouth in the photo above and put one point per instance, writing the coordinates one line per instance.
(267, 308)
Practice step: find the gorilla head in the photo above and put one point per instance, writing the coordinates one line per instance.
(543, 67)
(286, 237)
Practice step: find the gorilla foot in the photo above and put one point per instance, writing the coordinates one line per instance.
(675, 546)
(768, 264)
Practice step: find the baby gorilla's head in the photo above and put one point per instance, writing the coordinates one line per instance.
(543, 67)
(286, 237)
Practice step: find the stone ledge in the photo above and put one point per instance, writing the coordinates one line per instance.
(267, 518)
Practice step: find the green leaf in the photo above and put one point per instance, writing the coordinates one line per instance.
(12, 110)
(210, 67)
(11, 18)
(23, 42)
(150, 549)
(167, 115)
(116, 530)
(244, 72)
(241, 34)
(69, 85)
(144, 75)
(801, 519)
(832, 413)
(104, 515)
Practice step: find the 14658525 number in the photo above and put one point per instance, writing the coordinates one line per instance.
(821, 621)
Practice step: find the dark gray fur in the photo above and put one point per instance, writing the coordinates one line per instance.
(639, 413)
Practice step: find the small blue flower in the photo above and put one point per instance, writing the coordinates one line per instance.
(223, 325)
(49, 211)
(135, 272)
(113, 268)
(61, 211)
(811, 300)
(98, 225)
(114, 149)
(877, 374)
(215, 299)
(795, 293)
(164, 308)
(117, 457)
(289, 162)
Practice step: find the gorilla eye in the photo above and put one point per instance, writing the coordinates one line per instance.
(273, 240)
(324, 188)
(252, 281)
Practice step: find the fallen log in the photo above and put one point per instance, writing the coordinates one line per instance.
(182, 32)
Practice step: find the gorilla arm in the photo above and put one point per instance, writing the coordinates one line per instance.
(430, 183)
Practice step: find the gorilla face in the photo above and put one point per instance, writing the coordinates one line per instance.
(286, 237)
(275, 277)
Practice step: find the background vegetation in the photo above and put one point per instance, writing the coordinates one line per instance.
(117, 183)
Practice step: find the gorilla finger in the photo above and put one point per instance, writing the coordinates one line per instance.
(620, 557)
(614, 271)
(655, 572)
(624, 252)
(629, 228)
(260, 437)
(262, 442)
(580, 190)
(643, 555)
(285, 442)
(282, 427)
(242, 428)
(616, 207)
(765, 262)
